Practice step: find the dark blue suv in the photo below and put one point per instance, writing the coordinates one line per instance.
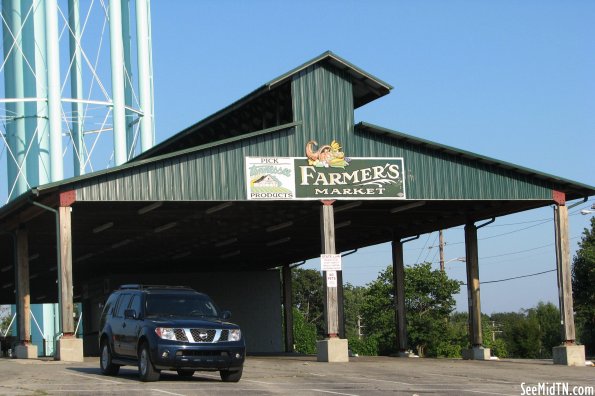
(168, 328)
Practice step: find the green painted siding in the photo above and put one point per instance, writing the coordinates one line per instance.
(431, 174)
(323, 103)
(212, 174)
(217, 173)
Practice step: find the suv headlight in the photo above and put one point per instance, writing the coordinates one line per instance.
(167, 333)
(235, 335)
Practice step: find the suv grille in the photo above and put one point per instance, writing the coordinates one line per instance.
(201, 335)
(180, 335)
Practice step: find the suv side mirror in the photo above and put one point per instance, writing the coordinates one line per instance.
(130, 314)
(225, 315)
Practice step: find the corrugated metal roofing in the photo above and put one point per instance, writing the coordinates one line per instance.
(322, 105)
(576, 189)
(366, 88)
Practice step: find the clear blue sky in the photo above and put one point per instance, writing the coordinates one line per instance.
(507, 79)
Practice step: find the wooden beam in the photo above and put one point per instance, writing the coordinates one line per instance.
(327, 231)
(65, 271)
(288, 308)
(564, 274)
(473, 292)
(23, 293)
(399, 293)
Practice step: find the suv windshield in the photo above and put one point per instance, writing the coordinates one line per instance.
(180, 305)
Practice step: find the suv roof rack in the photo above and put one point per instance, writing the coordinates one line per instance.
(144, 287)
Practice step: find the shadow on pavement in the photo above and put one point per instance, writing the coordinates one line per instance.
(132, 375)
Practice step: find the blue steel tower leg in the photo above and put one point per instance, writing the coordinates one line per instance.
(29, 90)
(127, 78)
(117, 66)
(76, 87)
(35, 86)
(42, 163)
(14, 86)
(145, 73)
(54, 95)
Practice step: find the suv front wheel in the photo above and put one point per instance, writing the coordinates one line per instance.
(145, 368)
(107, 367)
(231, 376)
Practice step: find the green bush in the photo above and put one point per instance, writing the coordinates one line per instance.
(304, 334)
(446, 349)
(367, 346)
(498, 348)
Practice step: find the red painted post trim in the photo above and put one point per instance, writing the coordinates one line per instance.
(559, 197)
(328, 202)
(67, 198)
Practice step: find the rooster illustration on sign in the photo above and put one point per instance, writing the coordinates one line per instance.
(329, 155)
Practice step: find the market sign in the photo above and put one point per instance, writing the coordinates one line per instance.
(326, 173)
(270, 178)
(375, 178)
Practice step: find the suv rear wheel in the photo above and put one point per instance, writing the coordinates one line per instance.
(145, 368)
(107, 367)
(231, 376)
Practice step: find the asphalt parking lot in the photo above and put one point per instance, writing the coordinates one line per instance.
(302, 375)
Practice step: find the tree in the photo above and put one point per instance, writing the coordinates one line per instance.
(456, 338)
(548, 319)
(378, 311)
(530, 333)
(429, 300)
(308, 295)
(353, 300)
(583, 289)
(304, 334)
(5, 319)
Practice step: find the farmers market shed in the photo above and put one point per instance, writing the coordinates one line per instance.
(231, 203)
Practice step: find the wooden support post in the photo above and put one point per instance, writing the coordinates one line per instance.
(333, 348)
(331, 306)
(65, 272)
(399, 293)
(23, 295)
(569, 353)
(564, 274)
(473, 294)
(288, 308)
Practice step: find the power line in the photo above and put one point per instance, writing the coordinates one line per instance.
(515, 277)
(430, 248)
(546, 219)
(539, 222)
(422, 249)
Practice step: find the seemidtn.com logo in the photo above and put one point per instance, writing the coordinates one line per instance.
(556, 388)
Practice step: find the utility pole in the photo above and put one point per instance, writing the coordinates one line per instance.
(495, 327)
(359, 327)
(441, 248)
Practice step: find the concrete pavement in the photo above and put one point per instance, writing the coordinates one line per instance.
(303, 375)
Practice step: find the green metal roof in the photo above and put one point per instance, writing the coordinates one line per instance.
(577, 189)
(362, 80)
(366, 88)
(273, 141)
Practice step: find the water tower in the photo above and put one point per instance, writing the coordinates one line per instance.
(78, 89)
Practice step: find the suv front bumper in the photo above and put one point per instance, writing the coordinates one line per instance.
(176, 355)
